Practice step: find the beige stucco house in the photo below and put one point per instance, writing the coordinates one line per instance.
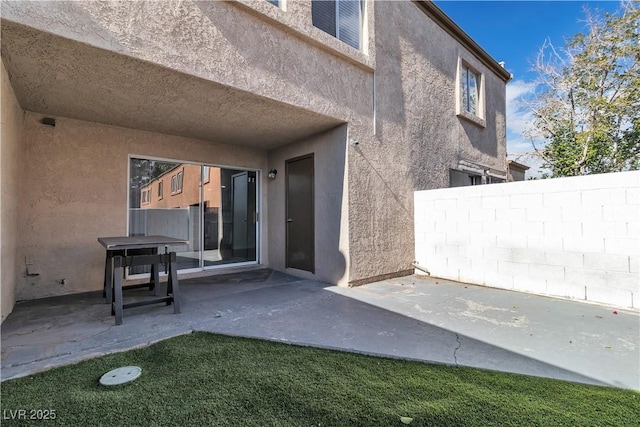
(322, 119)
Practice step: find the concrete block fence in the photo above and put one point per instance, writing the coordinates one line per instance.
(573, 237)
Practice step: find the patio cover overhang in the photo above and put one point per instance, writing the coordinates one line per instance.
(56, 76)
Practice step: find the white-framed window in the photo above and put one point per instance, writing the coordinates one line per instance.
(146, 196)
(160, 189)
(341, 18)
(176, 183)
(206, 174)
(470, 93)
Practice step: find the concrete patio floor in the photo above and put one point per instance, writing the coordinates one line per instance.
(413, 317)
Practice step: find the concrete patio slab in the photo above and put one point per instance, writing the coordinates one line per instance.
(598, 342)
(412, 317)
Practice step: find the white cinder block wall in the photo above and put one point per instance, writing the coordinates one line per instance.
(571, 237)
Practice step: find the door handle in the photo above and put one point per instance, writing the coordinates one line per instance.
(289, 220)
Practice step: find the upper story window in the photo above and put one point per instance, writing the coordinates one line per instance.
(470, 89)
(206, 172)
(160, 189)
(340, 18)
(176, 183)
(146, 196)
(470, 94)
(276, 3)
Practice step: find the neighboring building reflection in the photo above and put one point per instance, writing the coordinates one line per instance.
(170, 204)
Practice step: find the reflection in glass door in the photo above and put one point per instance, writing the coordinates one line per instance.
(213, 208)
(230, 225)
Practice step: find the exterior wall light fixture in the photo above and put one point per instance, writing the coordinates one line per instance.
(272, 174)
(49, 121)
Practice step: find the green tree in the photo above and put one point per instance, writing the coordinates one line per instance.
(587, 108)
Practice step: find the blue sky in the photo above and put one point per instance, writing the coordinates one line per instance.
(513, 32)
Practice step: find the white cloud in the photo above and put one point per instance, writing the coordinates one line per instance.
(518, 88)
(519, 145)
(519, 118)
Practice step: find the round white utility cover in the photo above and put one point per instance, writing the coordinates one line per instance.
(120, 376)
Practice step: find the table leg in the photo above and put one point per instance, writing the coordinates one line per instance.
(155, 279)
(108, 278)
(106, 270)
(173, 285)
(117, 290)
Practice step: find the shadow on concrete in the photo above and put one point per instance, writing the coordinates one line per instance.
(260, 303)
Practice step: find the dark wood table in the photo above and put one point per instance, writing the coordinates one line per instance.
(131, 251)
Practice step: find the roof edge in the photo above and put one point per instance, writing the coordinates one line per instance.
(514, 164)
(439, 17)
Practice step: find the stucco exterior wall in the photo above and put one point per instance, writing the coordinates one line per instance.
(330, 201)
(74, 190)
(398, 96)
(10, 138)
(575, 237)
(248, 45)
(418, 136)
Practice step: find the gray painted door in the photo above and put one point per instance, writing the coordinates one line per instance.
(300, 213)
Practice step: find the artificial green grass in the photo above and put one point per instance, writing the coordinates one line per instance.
(204, 379)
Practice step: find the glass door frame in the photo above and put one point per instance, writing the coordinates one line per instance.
(201, 216)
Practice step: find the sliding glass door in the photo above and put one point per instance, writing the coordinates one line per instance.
(230, 216)
(214, 208)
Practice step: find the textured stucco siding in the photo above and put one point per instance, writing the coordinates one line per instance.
(246, 46)
(418, 136)
(224, 42)
(397, 97)
(10, 138)
(74, 190)
(330, 202)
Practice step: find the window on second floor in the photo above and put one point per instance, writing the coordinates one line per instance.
(276, 3)
(206, 175)
(470, 89)
(160, 189)
(470, 92)
(180, 174)
(340, 18)
(176, 183)
(146, 196)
